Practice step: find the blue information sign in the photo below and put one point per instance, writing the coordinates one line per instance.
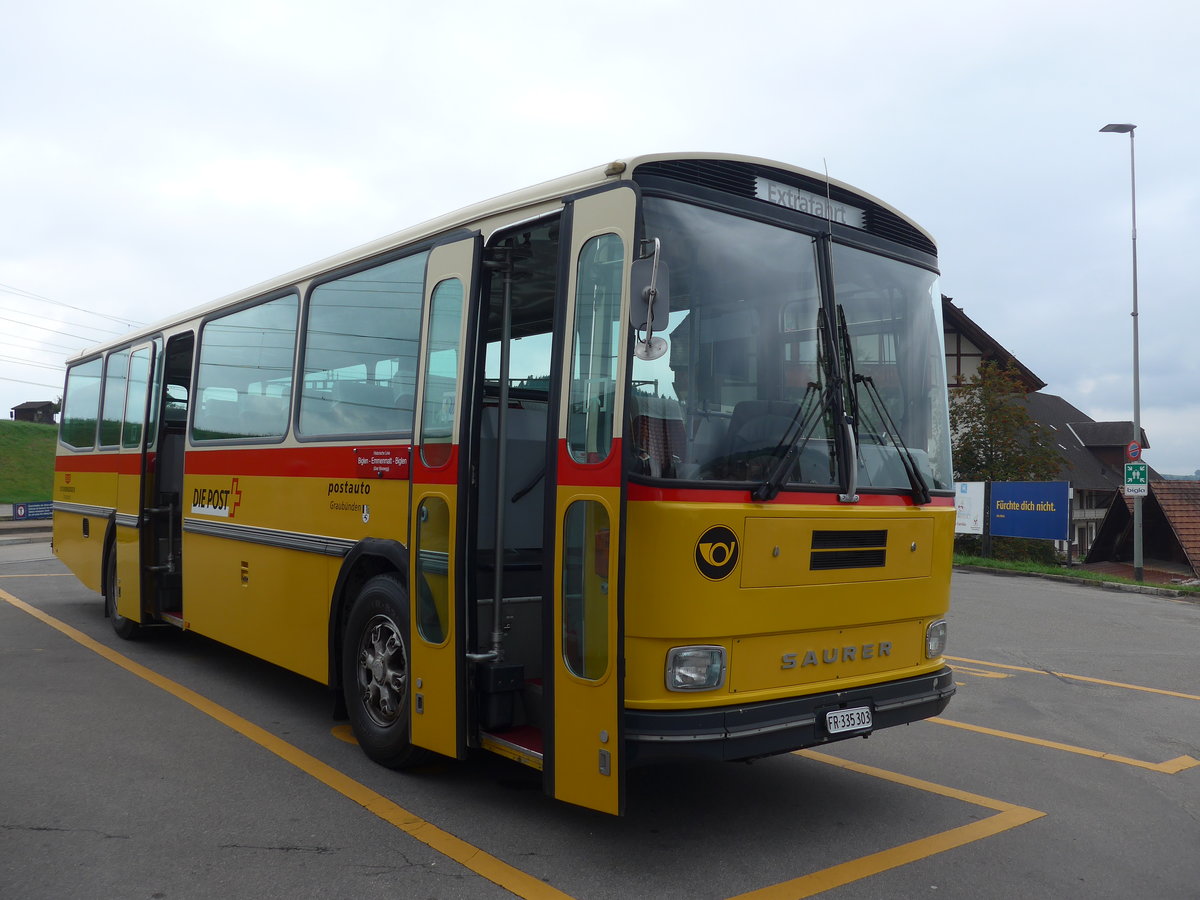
(1031, 509)
(36, 510)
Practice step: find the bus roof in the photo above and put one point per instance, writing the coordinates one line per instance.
(530, 198)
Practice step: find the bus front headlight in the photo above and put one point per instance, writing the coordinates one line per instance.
(695, 668)
(935, 639)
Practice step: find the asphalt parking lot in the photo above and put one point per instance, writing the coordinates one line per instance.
(1068, 765)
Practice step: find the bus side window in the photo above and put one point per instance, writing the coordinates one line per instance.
(246, 354)
(441, 372)
(360, 350)
(585, 589)
(135, 402)
(113, 404)
(81, 405)
(433, 570)
(595, 343)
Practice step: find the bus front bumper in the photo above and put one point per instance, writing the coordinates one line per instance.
(754, 730)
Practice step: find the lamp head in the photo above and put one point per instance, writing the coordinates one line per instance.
(1119, 129)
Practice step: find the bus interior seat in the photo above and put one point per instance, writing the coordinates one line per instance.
(757, 426)
(316, 412)
(361, 406)
(220, 419)
(708, 431)
(404, 405)
(880, 465)
(659, 434)
(262, 415)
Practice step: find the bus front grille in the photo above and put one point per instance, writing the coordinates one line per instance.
(848, 550)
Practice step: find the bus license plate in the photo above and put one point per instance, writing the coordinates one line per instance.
(856, 719)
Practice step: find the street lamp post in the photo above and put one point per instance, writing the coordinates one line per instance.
(1138, 570)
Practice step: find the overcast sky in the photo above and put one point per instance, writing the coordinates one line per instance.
(158, 155)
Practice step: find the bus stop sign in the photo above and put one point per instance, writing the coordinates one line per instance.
(1137, 481)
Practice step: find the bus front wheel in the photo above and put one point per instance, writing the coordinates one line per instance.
(125, 628)
(375, 673)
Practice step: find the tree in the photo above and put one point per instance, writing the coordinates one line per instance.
(996, 439)
(994, 436)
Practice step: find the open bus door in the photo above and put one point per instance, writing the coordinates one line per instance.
(437, 622)
(584, 754)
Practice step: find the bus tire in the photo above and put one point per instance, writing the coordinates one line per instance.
(125, 628)
(375, 673)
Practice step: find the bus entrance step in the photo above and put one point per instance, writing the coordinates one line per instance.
(523, 744)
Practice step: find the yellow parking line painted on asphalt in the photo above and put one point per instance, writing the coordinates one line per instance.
(1128, 687)
(982, 673)
(1170, 767)
(344, 733)
(508, 877)
(1007, 816)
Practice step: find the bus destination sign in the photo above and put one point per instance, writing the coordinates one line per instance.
(813, 204)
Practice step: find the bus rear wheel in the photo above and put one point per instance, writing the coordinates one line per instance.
(375, 673)
(125, 628)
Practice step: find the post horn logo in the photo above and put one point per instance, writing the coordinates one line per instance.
(717, 552)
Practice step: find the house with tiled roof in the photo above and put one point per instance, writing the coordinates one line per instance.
(1170, 528)
(1088, 462)
(1093, 461)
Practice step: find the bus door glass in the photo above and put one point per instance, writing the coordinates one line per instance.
(585, 754)
(436, 626)
(130, 438)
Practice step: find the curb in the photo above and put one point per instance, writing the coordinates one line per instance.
(1150, 590)
(25, 539)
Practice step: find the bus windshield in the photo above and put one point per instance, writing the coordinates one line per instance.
(760, 363)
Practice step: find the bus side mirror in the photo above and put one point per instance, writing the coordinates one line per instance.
(644, 285)
(650, 302)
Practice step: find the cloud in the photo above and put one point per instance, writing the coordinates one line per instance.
(155, 156)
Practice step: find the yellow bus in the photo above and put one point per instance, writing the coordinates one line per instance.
(646, 463)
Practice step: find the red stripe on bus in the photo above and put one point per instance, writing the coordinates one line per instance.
(310, 462)
(117, 463)
(646, 492)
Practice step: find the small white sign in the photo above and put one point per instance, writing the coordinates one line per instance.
(969, 507)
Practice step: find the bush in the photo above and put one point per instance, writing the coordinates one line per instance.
(1008, 548)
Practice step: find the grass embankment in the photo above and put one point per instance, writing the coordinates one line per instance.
(1033, 568)
(26, 461)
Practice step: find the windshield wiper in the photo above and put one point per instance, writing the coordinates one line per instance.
(804, 421)
(848, 368)
(920, 489)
